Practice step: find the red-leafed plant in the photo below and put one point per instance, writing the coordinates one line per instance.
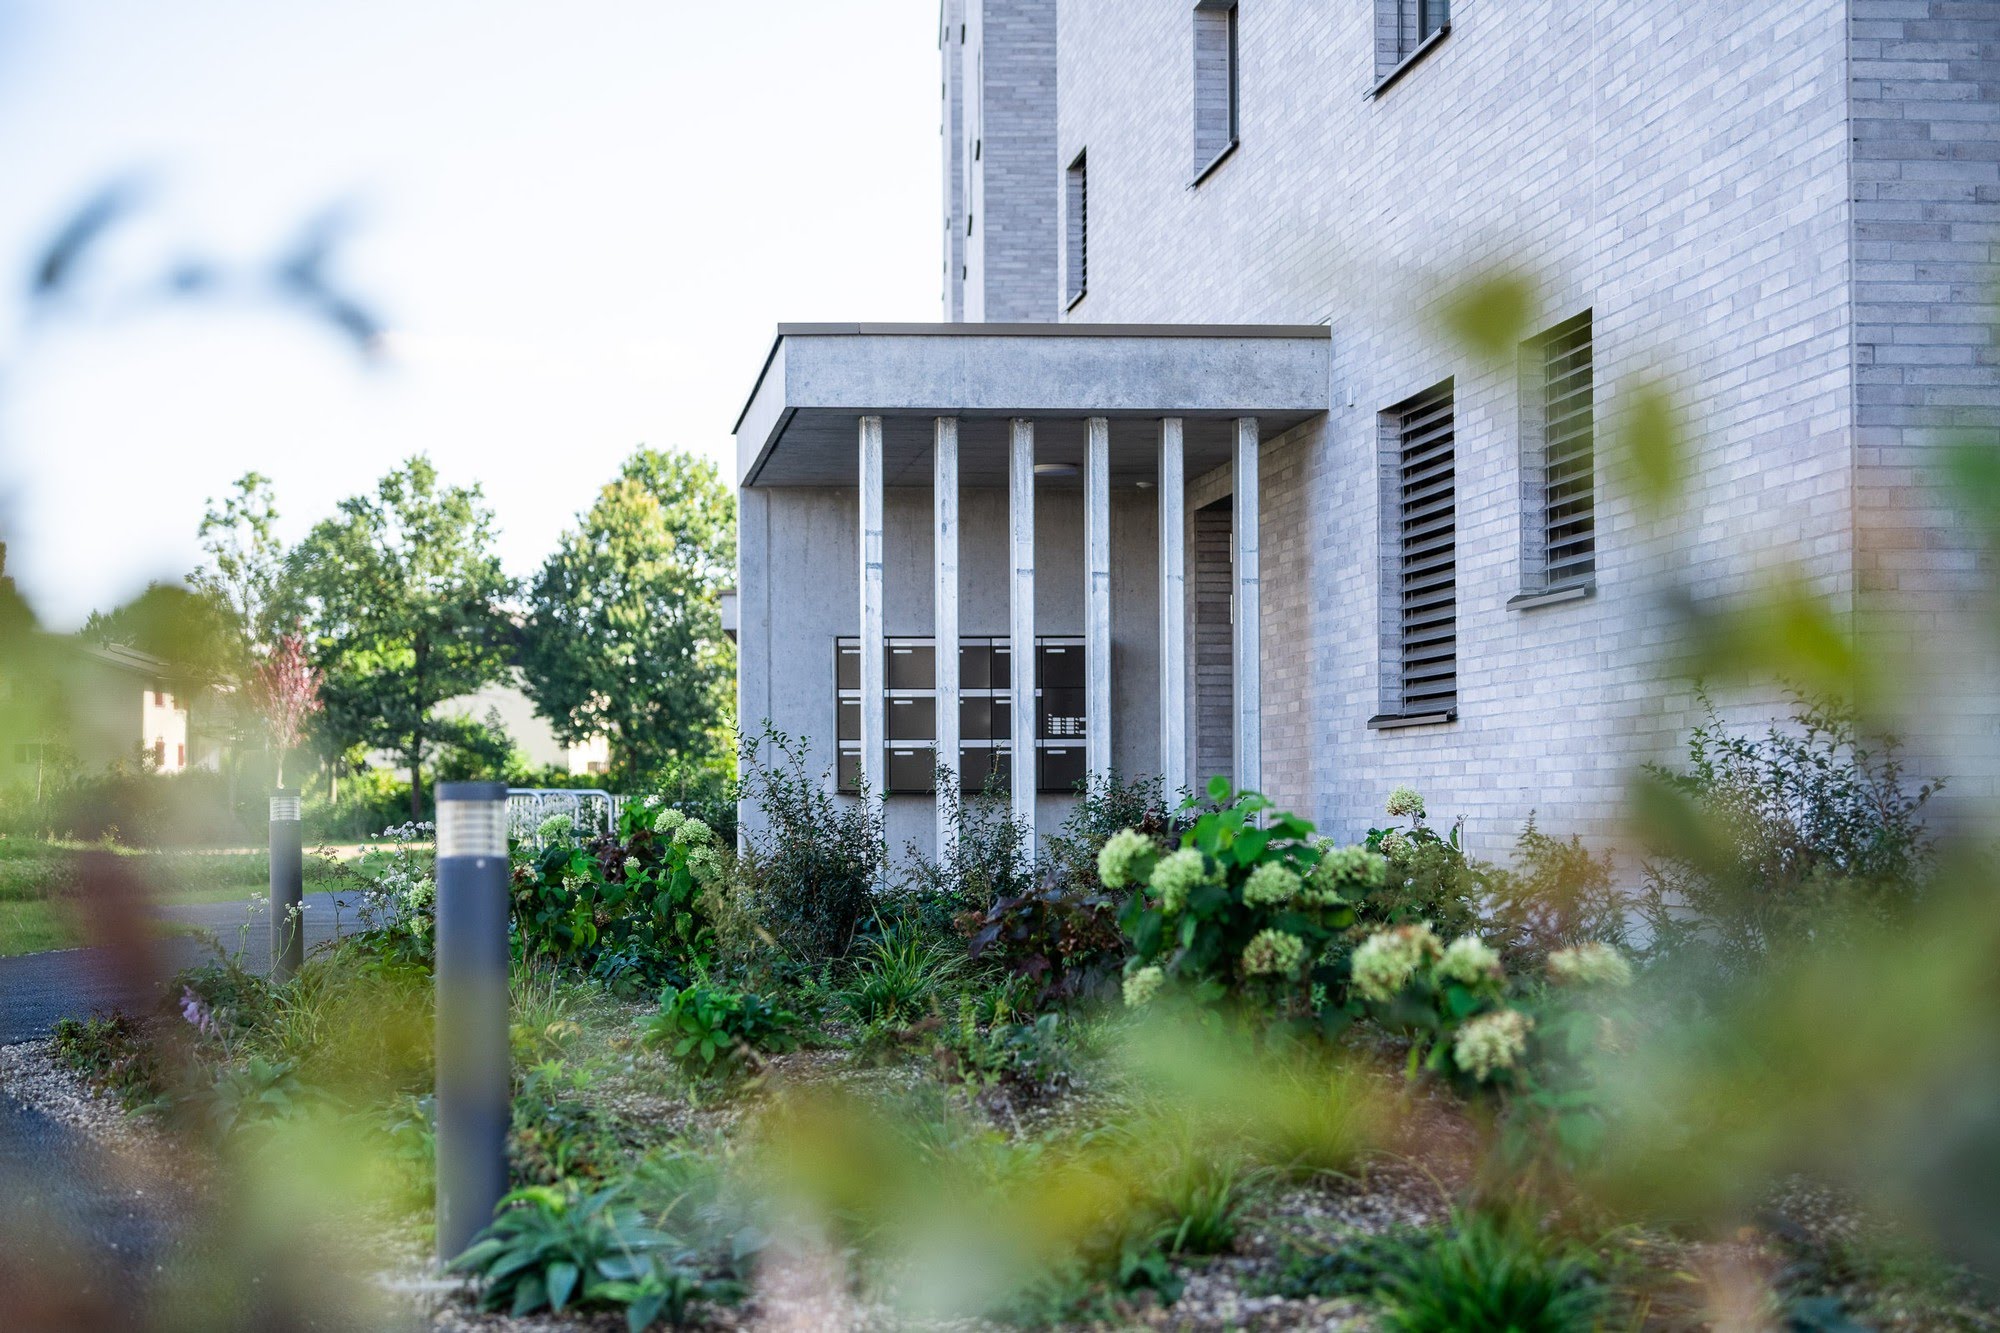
(285, 689)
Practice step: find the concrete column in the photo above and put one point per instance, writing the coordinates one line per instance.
(1021, 617)
(1097, 596)
(944, 619)
(1249, 613)
(1173, 610)
(874, 649)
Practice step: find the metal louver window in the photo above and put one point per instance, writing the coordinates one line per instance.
(1569, 493)
(1426, 584)
(1076, 232)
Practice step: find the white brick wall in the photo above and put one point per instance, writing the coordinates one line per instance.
(1681, 169)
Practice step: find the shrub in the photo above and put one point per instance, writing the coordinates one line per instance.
(708, 1029)
(986, 861)
(1062, 942)
(1796, 835)
(810, 871)
(255, 1092)
(1558, 896)
(113, 1054)
(1032, 1056)
(1245, 913)
(1449, 999)
(1429, 877)
(553, 1247)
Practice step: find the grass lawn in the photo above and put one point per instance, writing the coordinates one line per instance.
(36, 876)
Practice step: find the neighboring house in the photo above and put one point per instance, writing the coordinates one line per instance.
(1210, 493)
(109, 705)
(508, 703)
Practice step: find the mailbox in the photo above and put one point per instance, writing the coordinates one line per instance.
(913, 719)
(912, 666)
(979, 763)
(847, 773)
(1059, 666)
(1062, 714)
(850, 720)
(912, 769)
(1061, 768)
(847, 665)
(975, 665)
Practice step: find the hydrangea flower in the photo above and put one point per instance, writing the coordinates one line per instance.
(1405, 800)
(1143, 985)
(1344, 867)
(1118, 863)
(668, 820)
(1273, 951)
(692, 831)
(1491, 1042)
(1176, 876)
(1470, 961)
(1590, 965)
(1269, 884)
(1386, 961)
(554, 828)
(1395, 843)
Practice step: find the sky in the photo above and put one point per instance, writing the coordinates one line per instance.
(580, 223)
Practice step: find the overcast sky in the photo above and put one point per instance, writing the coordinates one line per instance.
(581, 222)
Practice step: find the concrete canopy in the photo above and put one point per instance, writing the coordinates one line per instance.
(798, 429)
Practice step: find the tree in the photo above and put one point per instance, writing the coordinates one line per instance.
(246, 562)
(285, 688)
(624, 630)
(399, 599)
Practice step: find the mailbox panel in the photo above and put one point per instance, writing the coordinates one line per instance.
(978, 763)
(847, 664)
(1061, 768)
(850, 720)
(913, 719)
(1059, 666)
(975, 665)
(1061, 714)
(912, 769)
(847, 773)
(912, 666)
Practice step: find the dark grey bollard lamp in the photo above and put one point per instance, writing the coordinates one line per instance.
(288, 878)
(472, 1051)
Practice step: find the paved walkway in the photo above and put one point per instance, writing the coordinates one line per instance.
(38, 988)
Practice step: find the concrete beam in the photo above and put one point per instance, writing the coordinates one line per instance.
(1021, 618)
(874, 647)
(944, 621)
(1097, 596)
(1173, 611)
(1249, 710)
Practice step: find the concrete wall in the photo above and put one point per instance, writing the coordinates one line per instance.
(1678, 169)
(799, 583)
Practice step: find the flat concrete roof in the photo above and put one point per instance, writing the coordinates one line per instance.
(798, 427)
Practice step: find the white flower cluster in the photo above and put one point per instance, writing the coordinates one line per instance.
(1143, 985)
(1176, 876)
(1273, 952)
(692, 832)
(1470, 961)
(1341, 870)
(1123, 854)
(1271, 884)
(1386, 962)
(1590, 965)
(1405, 800)
(1491, 1042)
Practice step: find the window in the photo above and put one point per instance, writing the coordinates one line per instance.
(1215, 94)
(159, 752)
(1405, 30)
(1558, 465)
(181, 755)
(1420, 561)
(159, 698)
(1076, 231)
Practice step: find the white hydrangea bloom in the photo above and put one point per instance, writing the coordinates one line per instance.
(1176, 876)
(1405, 800)
(1386, 961)
(1590, 965)
(1118, 863)
(1273, 952)
(1271, 884)
(1491, 1042)
(1470, 961)
(1143, 985)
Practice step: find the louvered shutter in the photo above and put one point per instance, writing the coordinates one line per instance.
(1427, 573)
(1569, 513)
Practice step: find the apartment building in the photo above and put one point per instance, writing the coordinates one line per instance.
(1189, 480)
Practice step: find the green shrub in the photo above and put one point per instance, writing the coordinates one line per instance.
(1064, 942)
(255, 1092)
(555, 1248)
(1804, 833)
(708, 1029)
(985, 862)
(810, 870)
(1557, 896)
(1488, 1276)
(114, 1054)
(1033, 1055)
(1250, 911)
(1429, 879)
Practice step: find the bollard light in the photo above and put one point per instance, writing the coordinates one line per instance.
(288, 878)
(473, 1079)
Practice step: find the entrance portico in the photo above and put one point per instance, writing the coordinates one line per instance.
(863, 420)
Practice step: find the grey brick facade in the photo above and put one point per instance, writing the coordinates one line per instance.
(1786, 213)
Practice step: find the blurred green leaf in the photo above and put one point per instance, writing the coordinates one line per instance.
(1489, 316)
(1649, 449)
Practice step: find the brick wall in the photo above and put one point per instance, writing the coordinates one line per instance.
(1008, 156)
(1679, 169)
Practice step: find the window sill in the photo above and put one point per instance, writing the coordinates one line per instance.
(1075, 299)
(1213, 163)
(1397, 721)
(1528, 601)
(1424, 48)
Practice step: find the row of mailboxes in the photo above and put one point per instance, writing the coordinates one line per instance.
(983, 664)
(914, 718)
(913, 769)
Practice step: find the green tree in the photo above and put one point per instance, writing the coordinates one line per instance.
(246, 562)
(399, 598)
(624, 630)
